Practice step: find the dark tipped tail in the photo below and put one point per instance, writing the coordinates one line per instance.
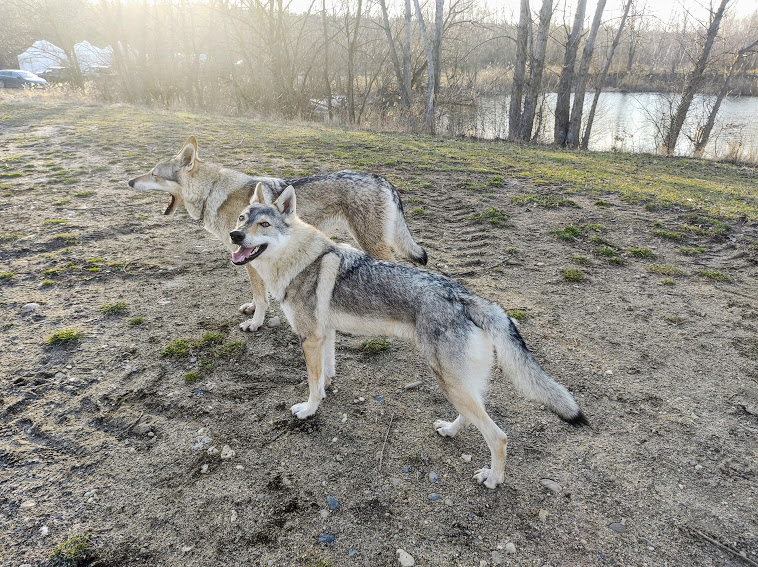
(579, 420)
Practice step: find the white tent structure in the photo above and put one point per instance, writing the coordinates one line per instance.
(42, 55)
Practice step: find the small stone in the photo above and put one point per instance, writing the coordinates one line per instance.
(609, 372)
(239, 467)
(90, 493)
(407, 469)
(434, 496)
(448, 501)
(405, 558)
(150, 434)
(30, 307)
(618, 528)
(324, 514)
(433, 477)
(275, 322)
(412, 385)
(483, 563)
(233, 516)
(227, 452)
(339, 458)
(361, 399)
(351, 553)
(510, 547)
(497, 558)
(698, 467)
(325, 539)
(44, 530)
(212, 450)
(396, 482)
(466, 458)
(550, 485)
(28, 504)
(543, 515)
(204, 469)
(332, 502)
(60, 376)
(201, 442)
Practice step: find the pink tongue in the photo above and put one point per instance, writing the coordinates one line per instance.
(241, 254)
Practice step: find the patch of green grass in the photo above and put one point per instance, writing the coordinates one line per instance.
(665, 270)
(6, 277)
(673, 319)
(496, 181)
(606, 251)
(573, 275)
(94, 269)
(492, 216)
(210, 338)
(117, 308)
(179, 348)
(581, 260)
(51, 272)
(568, 233)
(134, 321)
(95, 260)
(375, 346)
(512, 251)
(644, 253)
(667, 281)
(69, 239)
(62, 202)
(14, 236)
(599, 241)
(516, 314)
(48, 283)
(11, 175)
(84, 194)
(230, 349)
(668, 234)
(192, 377)
(602, 204)
(616, 260)
(691, 251)
(418, 211)
(547, 201)
(714, 275)
(72, 552)
(55, 221)
(595, 227)
(64, 336)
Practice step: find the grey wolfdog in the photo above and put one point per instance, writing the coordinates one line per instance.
(324, 287)
(367, 205)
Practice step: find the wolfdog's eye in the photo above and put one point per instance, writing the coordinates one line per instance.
(242, 217)
(264, 224)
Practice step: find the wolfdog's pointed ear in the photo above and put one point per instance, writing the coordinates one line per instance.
(189, 153)
(286, 201)
(258, 195)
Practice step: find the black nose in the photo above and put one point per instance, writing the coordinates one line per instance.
(237, 236)
(131, 182)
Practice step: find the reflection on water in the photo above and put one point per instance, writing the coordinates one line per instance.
(628, 122)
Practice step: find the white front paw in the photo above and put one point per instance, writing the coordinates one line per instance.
(303, 410)
(443, 428)
(487, 478)
(247, 308)
(251, 325)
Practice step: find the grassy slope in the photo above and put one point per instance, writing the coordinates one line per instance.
(290, 149)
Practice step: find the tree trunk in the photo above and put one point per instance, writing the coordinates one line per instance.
(327, 82)
(352, 43)
(575, 124)
(429, 110)
(535, 76)
(519, 72)
(407, 74)
(598, 88)
(562, 103)
(437, 44)
(702, 136)
(404, 99)
(677, 119)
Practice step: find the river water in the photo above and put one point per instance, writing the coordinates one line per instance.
(627, 122)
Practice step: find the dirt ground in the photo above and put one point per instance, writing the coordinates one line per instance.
(112, 436)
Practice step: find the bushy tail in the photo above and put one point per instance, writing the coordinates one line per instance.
(403, 242)
(517, 362)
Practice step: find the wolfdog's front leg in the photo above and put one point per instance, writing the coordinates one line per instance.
(259, 305)
(313, 347)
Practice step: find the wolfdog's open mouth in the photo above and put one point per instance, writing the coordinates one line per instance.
(170, 205)
(244, 255)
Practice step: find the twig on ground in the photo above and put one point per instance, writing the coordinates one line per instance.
(720, 545)
(133, 425)
(381, 453)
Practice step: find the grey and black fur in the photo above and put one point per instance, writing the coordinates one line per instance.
(367, 205)
(324, 287)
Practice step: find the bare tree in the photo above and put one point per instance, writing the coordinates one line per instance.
(407, 74)
(575, 124)
(703, 134)
(405, 99)
(519, 72)
(535, 76)
(677, 119)
(352, 46)
(562, 103)
(327, 80)
(429, 109)
(603, 75)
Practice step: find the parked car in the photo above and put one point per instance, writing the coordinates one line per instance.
(16, 78)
